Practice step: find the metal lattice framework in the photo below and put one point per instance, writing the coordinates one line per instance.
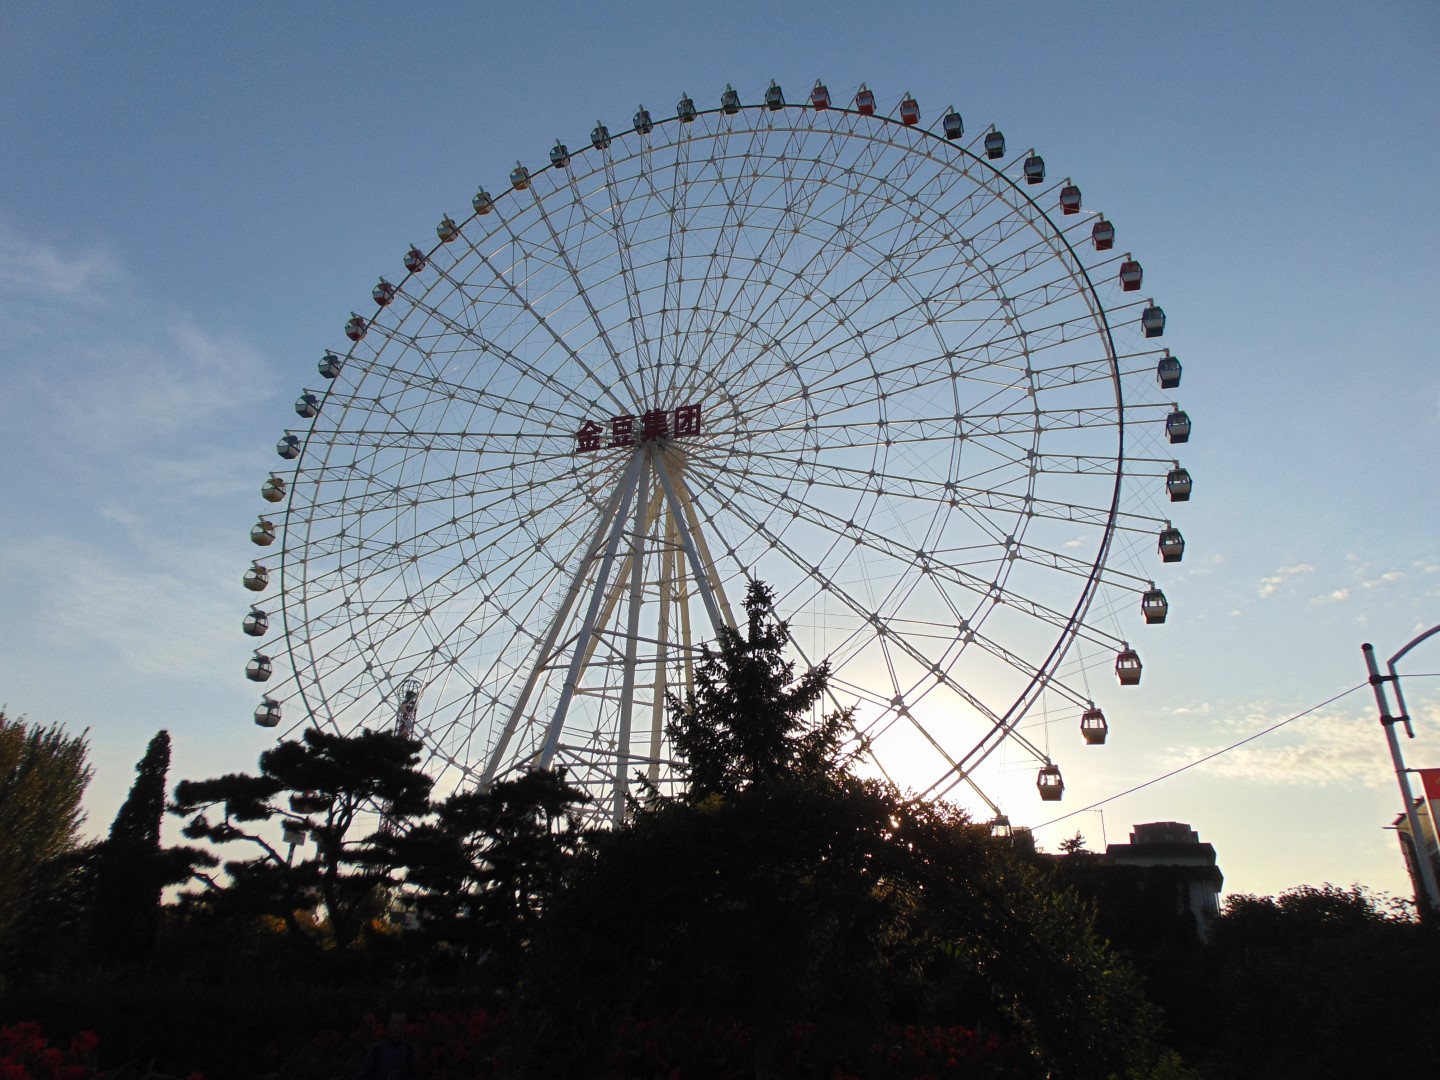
(837, 352)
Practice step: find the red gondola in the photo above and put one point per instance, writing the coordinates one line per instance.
(865, 101)
(382, 294)
(1103, 235)
(909, 110)
(1131, 275)
(415, 260)
(1069, 199)
(355, 328)
(820, 96)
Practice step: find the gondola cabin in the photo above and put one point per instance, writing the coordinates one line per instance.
(273, 490)
(685, 109)
(356, 327)
(288, 447)
(382, 293)
(559, 155)
(331, 365)
(954, 125)
(1128, 667)
(1034, 169)
(774, 97)
(293, 833)
(1050, 784)
(256, 578)
(267, 713)
(1152, 319)
(519, 177)
(730, 100)
(1103, 235)
(600, 136)
(415, 260)
(1177, 483)
(865, 101)
(1171, 544)
(643, 124)
(1168, 372)
(1177, 426)
(820, 96)
(1131, 275)
(995, 145)
(447, 230)
(482, 202)
(1093, 726)
(256, 623)
(1154, 606)
(308, 406)
(909, 111)
(1069, 199)
(262, 533)
(259, 669)
(1000, 828)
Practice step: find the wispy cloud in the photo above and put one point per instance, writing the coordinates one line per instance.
(1270, 585)
(32, 269)
(1334, 597)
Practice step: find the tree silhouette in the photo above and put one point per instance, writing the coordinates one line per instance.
(330, 783)
(43, 776)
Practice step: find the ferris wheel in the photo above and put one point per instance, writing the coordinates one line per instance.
(895, 371)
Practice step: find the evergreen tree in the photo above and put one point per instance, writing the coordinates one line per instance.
(322, 785)
(133, 868)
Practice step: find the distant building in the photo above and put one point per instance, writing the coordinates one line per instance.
(1192, 875)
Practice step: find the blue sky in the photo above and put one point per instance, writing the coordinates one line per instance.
(196, 198)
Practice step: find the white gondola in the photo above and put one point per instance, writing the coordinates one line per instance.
(1152, 319)
(1154, 606)
(1128, 667)
(820, 96)
(1034, 169)
(288, 447)
(1177, 426)
(447, 230)
(774, 97)
(1171, 544)
(1168, 372)
(685, 108)
(415, 260)
(730, 100)
(273, 490)
(994, 144)
(1178, 484)
(383, 293)
(519, 177)
(1131, 274)
(865, 101)
(1103, 235)
(256, 622)
(643, 124)
(909, 110)
(954, 124)
(356, 327)
(259, 668)
(1050, 784)
(559, 155)
(256, 578)
(308, 406)
(262, 533)
(600, 136)
(482, 203)
(1093, 726)
(1069, 199)
(267, 713)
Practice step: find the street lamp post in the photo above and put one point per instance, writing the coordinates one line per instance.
(1429, 899)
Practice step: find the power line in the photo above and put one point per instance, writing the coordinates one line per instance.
(1209, 757)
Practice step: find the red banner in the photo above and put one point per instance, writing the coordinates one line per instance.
(1431, 779)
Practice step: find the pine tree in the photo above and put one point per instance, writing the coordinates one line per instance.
(133, 870)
